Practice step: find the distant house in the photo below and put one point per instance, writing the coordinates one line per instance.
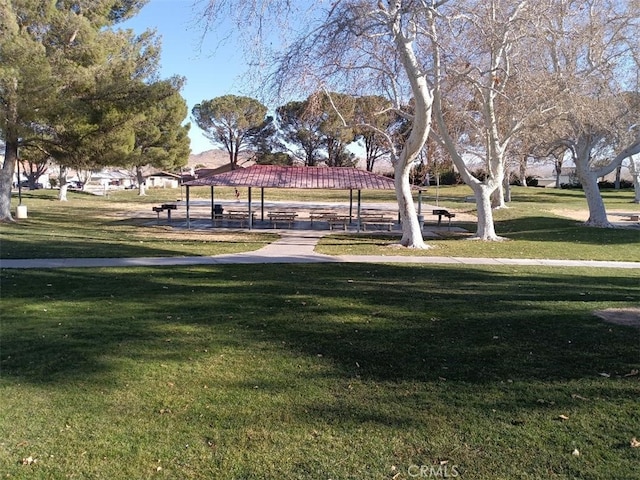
(112, 179)
(567, 177)
(163, 180)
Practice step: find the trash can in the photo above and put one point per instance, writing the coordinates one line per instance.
(217, 209)
(21, 211)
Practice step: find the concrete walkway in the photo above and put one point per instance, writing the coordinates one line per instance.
(297, 246)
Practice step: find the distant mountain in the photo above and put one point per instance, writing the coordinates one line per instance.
(214, 159)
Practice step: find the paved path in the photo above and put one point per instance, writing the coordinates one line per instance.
(297, 246)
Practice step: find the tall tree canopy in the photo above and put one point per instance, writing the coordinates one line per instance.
(234, 122)
(161, 140)
(300, 129)
(69, 83)
(374, 117)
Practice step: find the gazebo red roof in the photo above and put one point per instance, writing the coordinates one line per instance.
(273, 176)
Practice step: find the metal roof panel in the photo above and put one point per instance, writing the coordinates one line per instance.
(275, 176)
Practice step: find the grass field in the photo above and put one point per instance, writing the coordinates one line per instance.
(94, 227)
(122, 226)
(318, 371)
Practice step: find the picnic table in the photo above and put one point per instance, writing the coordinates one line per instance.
(322, 216)
(236, 215)
(338, 220)
(282, 217)
(441, 212)
(376, 220)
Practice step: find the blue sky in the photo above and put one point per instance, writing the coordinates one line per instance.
(211, 68)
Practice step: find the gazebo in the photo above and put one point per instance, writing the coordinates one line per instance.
(273, 176)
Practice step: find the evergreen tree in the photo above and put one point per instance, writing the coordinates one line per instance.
(68, 82)
(234, 122)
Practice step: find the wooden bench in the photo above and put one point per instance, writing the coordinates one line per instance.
(322, 216)
(165, 206)
(240, 216)
(377, 220)
(440, 212)
(334, 220)
(280, 217)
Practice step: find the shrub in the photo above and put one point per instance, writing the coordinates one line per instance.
(450, 177)
(607, 184)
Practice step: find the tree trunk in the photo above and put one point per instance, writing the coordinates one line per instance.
(497, 197)
(634, 168)
(423, 97)
(6, 178)
(507, 189)
(11, 142)
(523, 172)
(141, 185)
(485, 229)
(62, 193)
(589, 177)
(411, 231)
(501, 182)
(597, 211)
(558, 172)
(618, 175)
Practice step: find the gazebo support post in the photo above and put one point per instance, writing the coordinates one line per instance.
(250, 215)
(359, 207)
(213, 213)
(188, 219)
(350, 205)
(262, 204)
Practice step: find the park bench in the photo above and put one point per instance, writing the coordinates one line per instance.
(282, 217)
(440, 212)
(165, 206)
(322, 216)
(379, 220)
(238, 215)
(334, 220)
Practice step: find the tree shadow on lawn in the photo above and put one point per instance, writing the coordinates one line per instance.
(385, 323)
(94, 240)
(556, 229)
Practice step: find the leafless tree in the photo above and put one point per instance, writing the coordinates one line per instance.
(359, 47)
(592, 49)
(483, 65)
(634, 169)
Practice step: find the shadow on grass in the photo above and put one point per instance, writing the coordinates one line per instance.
(555, 229)
(47, 237)
(387, 323)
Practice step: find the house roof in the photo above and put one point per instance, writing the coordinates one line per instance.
(273, 176)
(164, 174)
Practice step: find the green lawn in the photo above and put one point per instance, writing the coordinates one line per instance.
(90, 226)
(318, 371)
(531, 226)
